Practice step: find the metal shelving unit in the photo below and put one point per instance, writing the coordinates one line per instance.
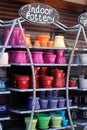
(78, 29)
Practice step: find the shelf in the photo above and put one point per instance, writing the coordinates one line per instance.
(4, 118)
(6, 65)
(81, 122)
(66, 127)
(25, 111)
(81, 89)
(5, 92)
(7, 47)
(41, 89)
(49, 65)
(82, 107)
(47, 48)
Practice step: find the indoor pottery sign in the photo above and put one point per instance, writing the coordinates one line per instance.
(83, 19)
(39, 13)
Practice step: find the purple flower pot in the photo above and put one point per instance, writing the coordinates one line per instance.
(30, 103)
(61, 102)
(70, 102)
(43, 103)
(52, 103)
(37, 57)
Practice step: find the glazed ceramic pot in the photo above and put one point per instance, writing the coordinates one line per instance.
(50, 43)
(36, 43)
(59, 83)
(19, 41)
(43, 121)
(59, 52)
(43, 103)
(56, 121)
(83, 58)
(37, 57)
(43, 39)
(2, 84)
(46, 81)
(59, 41)
(20, 57)
(3, 109)
(82, 83)
(33, 124)
(60, 60)
(52, 103)
(49, 57)
(28, 40)
(72, 83)
(65, 122)
(61, 102)
(4, 59)
(22, 81)
(30, 103)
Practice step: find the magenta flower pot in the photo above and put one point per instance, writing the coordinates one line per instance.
(20, 57)
(37, 57)
(59, 52)
(49, 57)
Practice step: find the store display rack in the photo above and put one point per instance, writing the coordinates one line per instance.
(78, 28)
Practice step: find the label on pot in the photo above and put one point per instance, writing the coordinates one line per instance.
(39, 13)
(83, 19)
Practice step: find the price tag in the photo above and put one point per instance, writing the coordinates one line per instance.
(39, 13)
(83, 19)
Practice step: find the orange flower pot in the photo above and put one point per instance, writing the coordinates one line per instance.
(28, 41)
(43, 39)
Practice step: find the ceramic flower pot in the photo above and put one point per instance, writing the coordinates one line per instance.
(49, 57)
(28, 40)
(30, 103)
(65, 122)
(56, 121)
(20, 57)
(43, 121)
(19, 41)
(52, 103)
(36, 43)
(33, 124)
(50, 43)
(59, 41)
(59, 52)
(43, 39)
(4, 59)
(46, 81)
(61, 102)
(22, 81)
(37, 57)
(43, 103)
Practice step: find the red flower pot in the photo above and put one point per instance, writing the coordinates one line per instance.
(22, 82)
(47, 81)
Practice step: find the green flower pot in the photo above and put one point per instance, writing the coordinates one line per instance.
(43, 121)
(56, 121)
(33, 124)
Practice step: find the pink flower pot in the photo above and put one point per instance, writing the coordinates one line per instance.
(49, 57)
(37, 57)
